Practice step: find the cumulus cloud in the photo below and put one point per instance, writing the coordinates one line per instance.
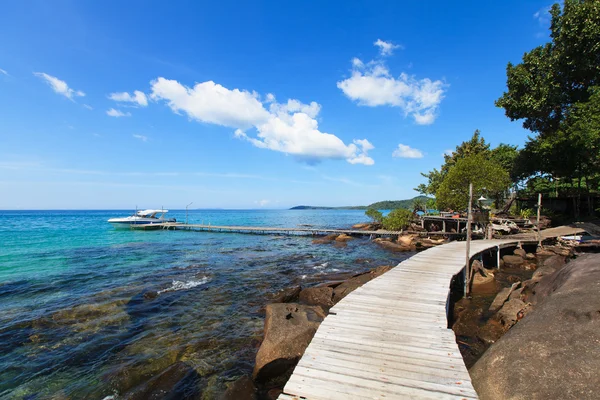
(141, 137)
(117, 113)
(262, 203)
(289, 127)
(138, 98)
(372, 85)
(59, 86)
(212, 103)
(386, 48)
(404, 151)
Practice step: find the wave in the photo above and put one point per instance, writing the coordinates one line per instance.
(179, 285)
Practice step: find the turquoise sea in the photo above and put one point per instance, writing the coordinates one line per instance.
(87, 311)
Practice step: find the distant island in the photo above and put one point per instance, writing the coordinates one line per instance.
(380, 205)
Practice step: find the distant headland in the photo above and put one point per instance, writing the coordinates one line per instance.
(380, 205)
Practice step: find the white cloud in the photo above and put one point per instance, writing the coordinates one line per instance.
(116, 113)
(59, 86)
(212, 103)
(88, 107)
(289, 127)
(3, 72)
(140, 137)
(404, 151)
(372, 85)
(262, 203)
(385, 48)
(138, 98)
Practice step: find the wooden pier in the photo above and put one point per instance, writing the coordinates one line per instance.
(390, 338)
(284, 231)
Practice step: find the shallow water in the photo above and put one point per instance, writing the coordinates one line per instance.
(87, 311)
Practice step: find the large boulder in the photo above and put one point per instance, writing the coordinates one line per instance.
(343, 238)
(553, 352)
(317, 296)
(288, 330)
(326, 239)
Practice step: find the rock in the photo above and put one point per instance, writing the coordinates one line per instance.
(516, 294)
(343, 238)
(179, 381)
(530, 256)
(554, 261)
(288, 330)
(542, 271)
(360, 226)
(561, 251)
(286, 295)
(491, 331)
(553, 352)
(502, 297)
(317, 296)
(348, 286)
(509, 312)
(512, 261)
(483, 280)
(520, 252)
(386, 244)
(241, 389)
(406, 240)
(325, 240)
(273, 394)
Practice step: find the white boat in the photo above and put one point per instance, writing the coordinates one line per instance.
(142, 217)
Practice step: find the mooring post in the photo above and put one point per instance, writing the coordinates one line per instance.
(539, 208)
(468, 246)
(498, 257)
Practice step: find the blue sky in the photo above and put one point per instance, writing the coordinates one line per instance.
(247, 104)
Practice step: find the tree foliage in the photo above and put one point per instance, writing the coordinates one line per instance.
(553, 77)
(487, 176)
(397, 219)
(555, 91)
(475, 145)
(374, 214)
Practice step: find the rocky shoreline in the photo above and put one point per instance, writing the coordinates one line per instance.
(292, 317)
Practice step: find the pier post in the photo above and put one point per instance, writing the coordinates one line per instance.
(539, 208)
(468, 246)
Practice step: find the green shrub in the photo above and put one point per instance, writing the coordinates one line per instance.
(374, 214)
(397, 220)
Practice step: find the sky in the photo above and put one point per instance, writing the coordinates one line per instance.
(263, 104)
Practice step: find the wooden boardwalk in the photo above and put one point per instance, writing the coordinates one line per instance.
(389, 339)
(282, 230)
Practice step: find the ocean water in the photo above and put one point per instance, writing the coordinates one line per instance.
(87, 311)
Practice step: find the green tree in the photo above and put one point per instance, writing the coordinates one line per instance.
(418, 205)
(397, 219)
(475, 145)
(374, 214)
(487, 176)
(553, 77)
(431, 204)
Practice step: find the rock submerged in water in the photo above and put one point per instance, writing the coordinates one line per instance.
(553, 352)
(288, 330)
(241, 389)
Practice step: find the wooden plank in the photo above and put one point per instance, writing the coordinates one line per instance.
(387, 368)
(389, 384)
